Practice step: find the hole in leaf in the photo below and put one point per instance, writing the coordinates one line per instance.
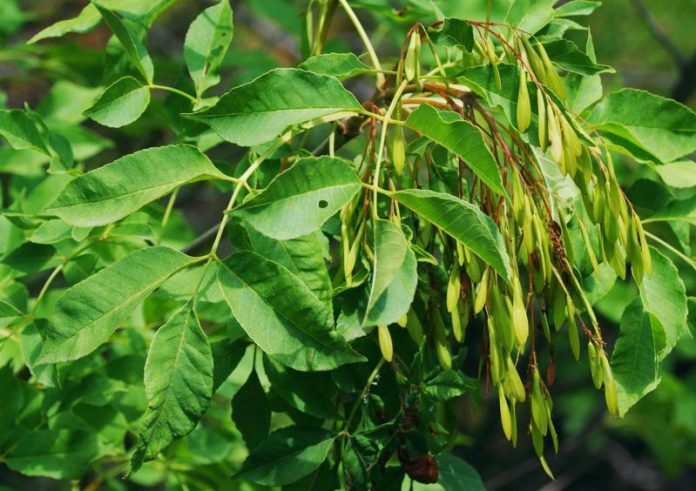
(323, 203)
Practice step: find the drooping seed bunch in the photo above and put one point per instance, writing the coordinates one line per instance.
(544, 289)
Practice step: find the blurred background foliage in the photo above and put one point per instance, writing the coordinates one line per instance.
(651, 44)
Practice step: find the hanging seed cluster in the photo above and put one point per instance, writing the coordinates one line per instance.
(543, 296)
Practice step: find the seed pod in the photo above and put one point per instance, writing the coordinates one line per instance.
(533, 59)
(559, 308)
(634, 253)
(527, 227)
(542, 121)
(513, 416)
(588, 247)
(610, 394)
(414, 327)
(441, 346)
(481, 293)
(644, 248)
(385, 342)
(403, 320)
(514, 381)
(524, 108)
(553, 80)
(494, 355)
(573, 337)
(454, 287)
(461, 254)
(411, 60)
(493, 60)
(539, 415)
(505, 419)
(520, 322)
(595, 365)
(537, 440)
(616, 260)
(457, 330)
(552, 430)
(556, 138)
(545, 326)
(399, 150)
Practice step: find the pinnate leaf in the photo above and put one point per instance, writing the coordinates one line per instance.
(206, 43)
(121, 103)
(250, 411)
(178, 383)
(463, 221)
(660, 127)
(287, 455)
(463, 139)
(116, 190)
(259, 111)
(89, 312)
(281, 315)
(298, 201)
(394, 278)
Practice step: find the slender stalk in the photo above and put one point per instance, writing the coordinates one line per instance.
(167, 215)
(173, 91)
(672, 249)
(363, 393)
(365, 39)
(212, 255)
(383, 142)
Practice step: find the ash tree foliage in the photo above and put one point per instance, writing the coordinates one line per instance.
(380, 256)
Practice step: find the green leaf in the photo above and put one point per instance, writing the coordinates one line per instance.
(178, 383)
(339, 65)
(530, 15)
(635, 361)
(58, 454)
(664, 298)
(455, 32)
(206, 43)
(121, 103)
(303, 256)
(577, 8)
(281, 315)
(394, 278)
(566, 54)
(116, 190)
(287, 455)
(463, 139)
(125, 32)
(677, 211)
(661, 127)
(680, 174)
(21, 131)
(450, 384)
(8, 310)
(85, 21)
(89, 312)
(463, 221)
(259, 111)
(299, 200)
(250, 412)
(311, 393)
(583, 91)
